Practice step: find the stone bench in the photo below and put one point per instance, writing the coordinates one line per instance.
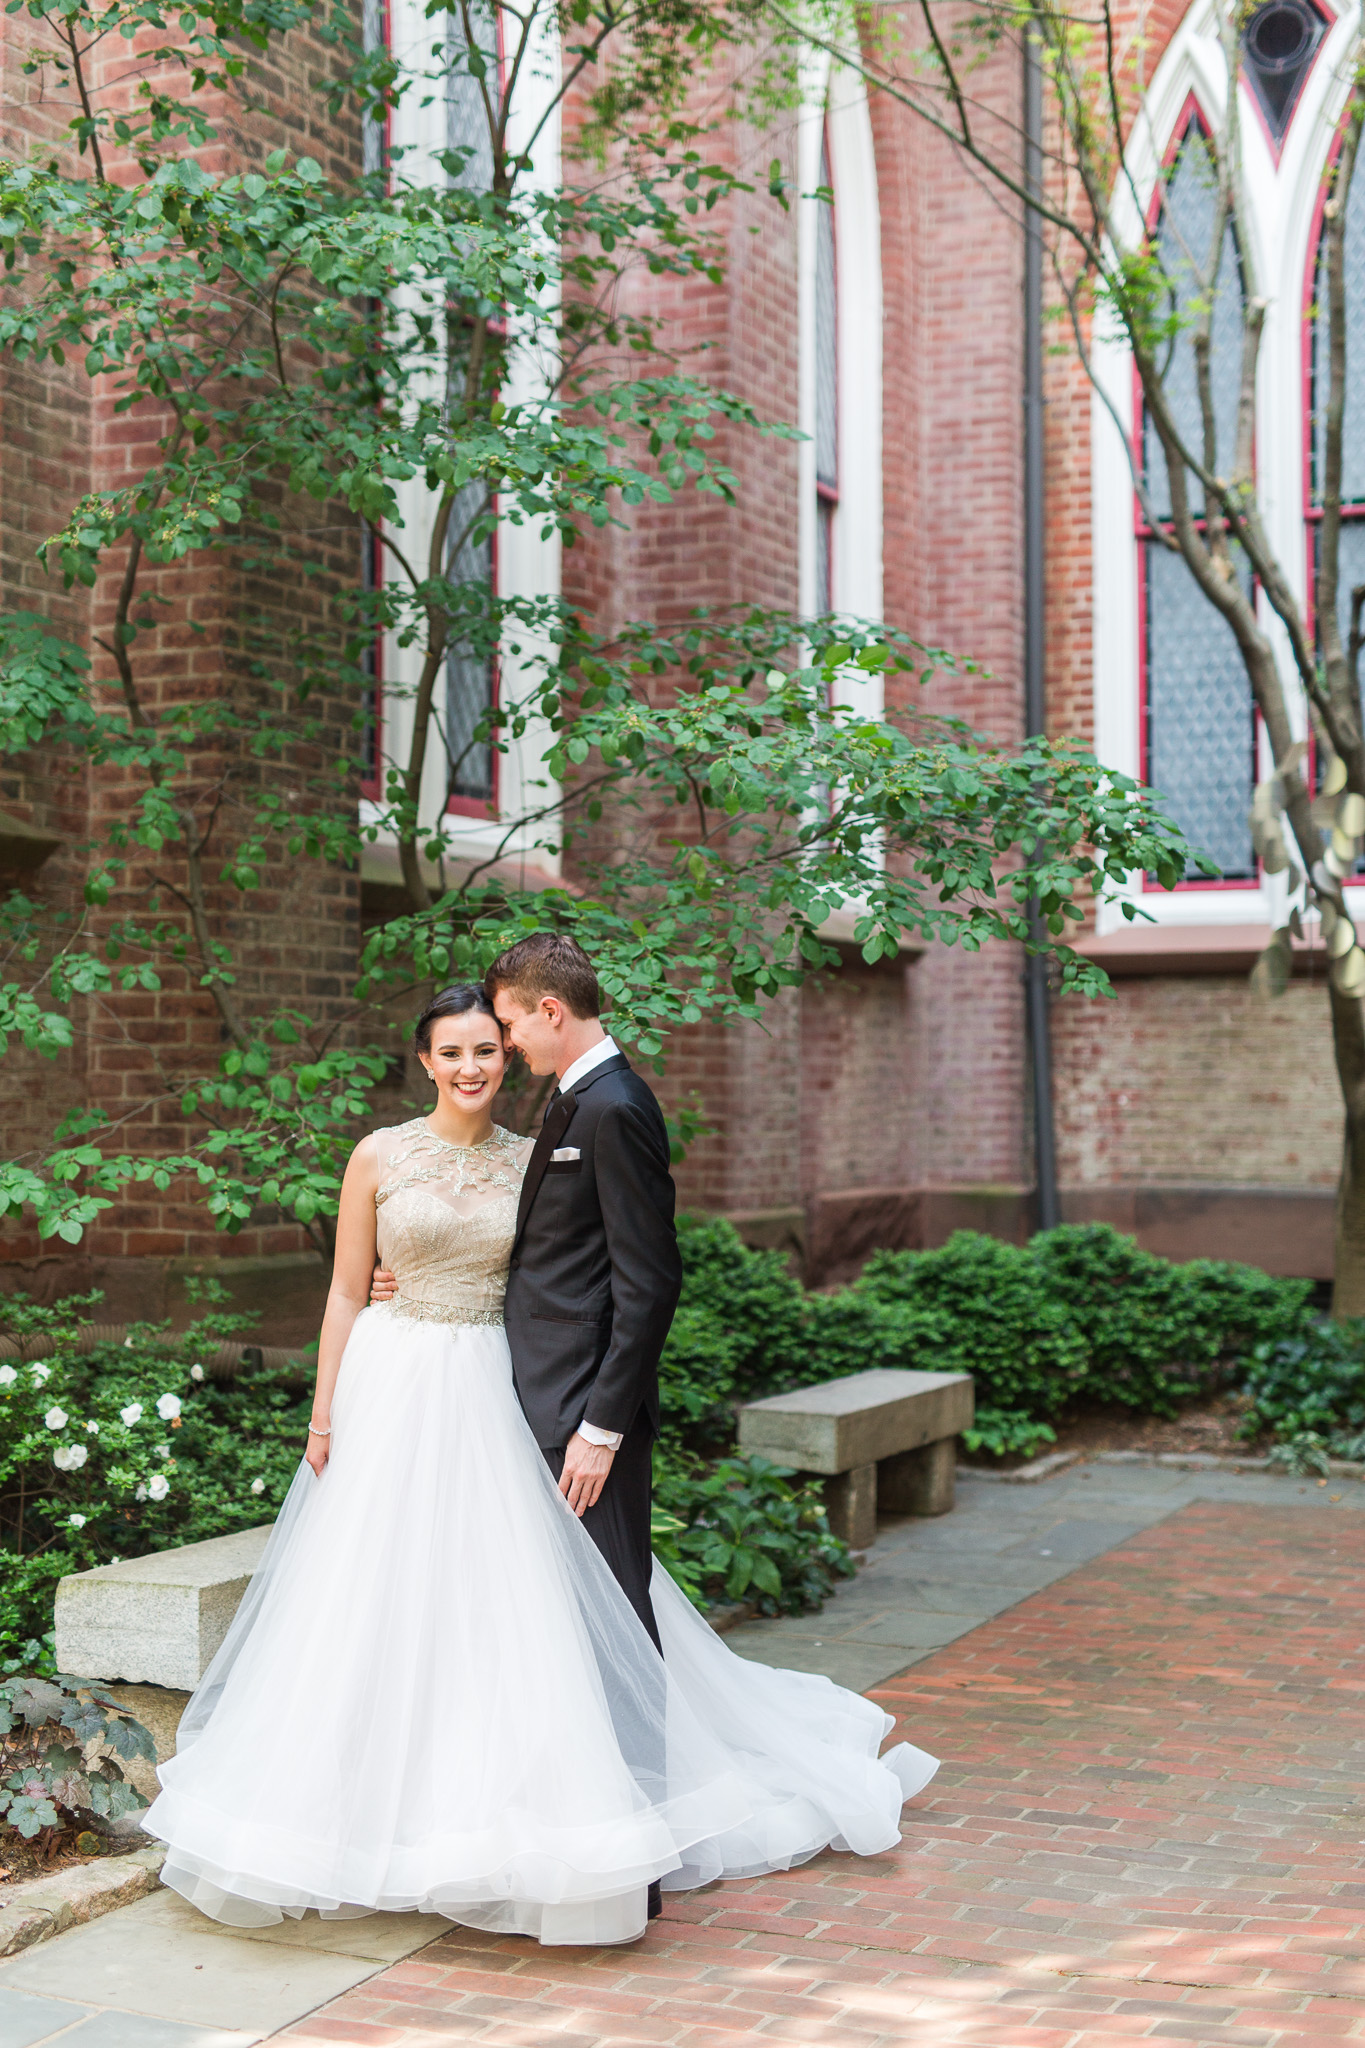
(155, 1620)
(885, 1438)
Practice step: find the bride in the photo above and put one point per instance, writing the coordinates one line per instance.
(434, 1696)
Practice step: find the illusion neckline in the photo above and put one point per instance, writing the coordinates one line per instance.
(450, 1144)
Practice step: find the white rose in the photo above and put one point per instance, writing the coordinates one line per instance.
(131, 1414)
(7, 1375)
(55, 1418)
(127, 1343)
(41, 1374)
(168, 1407)
(70, 1457)
(196, 1372)
(92, 1429)
(158, 1488)
(258, 1486)
(140, 1494)
(76, 1521)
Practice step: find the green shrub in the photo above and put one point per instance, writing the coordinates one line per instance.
(743, 1531)
(978, 1305)
(1007, 1432)
(1310, 1383)
(1081, 1312)
(698, 1373)
(747, 1299)
(1154, 1330)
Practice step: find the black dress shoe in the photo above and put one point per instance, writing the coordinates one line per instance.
(656, 1900)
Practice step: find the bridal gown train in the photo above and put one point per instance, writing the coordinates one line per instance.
(434, 1694)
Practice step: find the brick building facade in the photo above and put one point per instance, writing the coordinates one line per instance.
(885, 1104)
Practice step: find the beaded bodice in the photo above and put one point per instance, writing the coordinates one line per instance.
(447, 1216)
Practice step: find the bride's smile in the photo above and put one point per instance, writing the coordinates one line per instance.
(467, 1063)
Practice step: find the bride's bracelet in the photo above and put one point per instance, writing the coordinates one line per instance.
(313, 1430)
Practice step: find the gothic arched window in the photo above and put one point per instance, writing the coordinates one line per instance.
(1351, 559)
(471, 665)
(1199, 726)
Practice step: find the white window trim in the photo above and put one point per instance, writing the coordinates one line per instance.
(1283, 199)
(835, 107)
(527, 564)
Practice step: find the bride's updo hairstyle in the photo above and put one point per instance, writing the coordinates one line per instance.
(453, 1002)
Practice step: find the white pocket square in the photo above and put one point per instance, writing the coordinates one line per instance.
(566, 1152)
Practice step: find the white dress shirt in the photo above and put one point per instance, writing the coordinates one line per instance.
(585, 1064)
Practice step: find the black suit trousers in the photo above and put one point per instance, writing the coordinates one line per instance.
(618, 1521)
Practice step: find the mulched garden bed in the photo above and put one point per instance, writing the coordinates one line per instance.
(1210, 1425)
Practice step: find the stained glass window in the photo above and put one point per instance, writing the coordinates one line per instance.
(1200, 736)
(471, 670)
(1279, 44)
(466, 105)
(470, 664)
(371, 736)
(1353, 426)
(374, 30)
(1201, 731)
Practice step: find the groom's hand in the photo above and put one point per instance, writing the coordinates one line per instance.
(585, 1472)
(383, 1286)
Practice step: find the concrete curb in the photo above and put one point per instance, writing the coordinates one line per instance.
(1182, 1461)
(1211, 1461)
(1023, 1475)
(46, 1906)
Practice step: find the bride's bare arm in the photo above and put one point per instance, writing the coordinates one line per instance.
(350, 1290)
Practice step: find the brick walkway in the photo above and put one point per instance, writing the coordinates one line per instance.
(1144, 1829)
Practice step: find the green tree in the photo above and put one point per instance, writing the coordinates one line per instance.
(444, 321)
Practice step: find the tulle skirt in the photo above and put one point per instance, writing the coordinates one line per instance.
(435, 1696)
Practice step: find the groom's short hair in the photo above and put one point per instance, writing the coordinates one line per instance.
(546, 964)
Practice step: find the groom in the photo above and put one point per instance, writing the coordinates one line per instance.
(595, 1272)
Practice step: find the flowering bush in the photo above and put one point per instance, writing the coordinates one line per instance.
(123, 1448)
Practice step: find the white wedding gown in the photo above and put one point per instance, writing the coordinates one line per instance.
(434, 1695)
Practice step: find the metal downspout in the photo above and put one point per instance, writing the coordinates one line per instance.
(1036, 983)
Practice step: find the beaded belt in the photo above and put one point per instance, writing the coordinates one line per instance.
(439, 1312)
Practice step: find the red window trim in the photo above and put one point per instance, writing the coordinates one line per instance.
(372, 787)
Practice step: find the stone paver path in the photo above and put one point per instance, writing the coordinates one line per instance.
(1146, 1827)
(1148, 1689)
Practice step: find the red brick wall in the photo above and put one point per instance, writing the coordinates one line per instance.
(297, 937)
(1189, 1078)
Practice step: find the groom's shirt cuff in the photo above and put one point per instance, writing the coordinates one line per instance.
(591, 1434)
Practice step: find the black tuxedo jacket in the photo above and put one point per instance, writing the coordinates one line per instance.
(595, 1272)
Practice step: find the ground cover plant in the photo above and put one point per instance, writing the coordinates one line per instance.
(56, 1769)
